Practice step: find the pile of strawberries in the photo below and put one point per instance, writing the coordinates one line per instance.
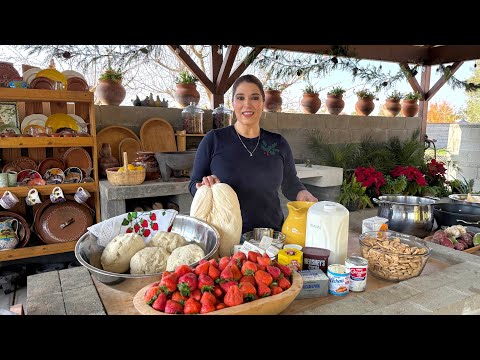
(212, 285)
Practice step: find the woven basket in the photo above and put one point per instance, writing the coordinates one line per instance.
(126, 177)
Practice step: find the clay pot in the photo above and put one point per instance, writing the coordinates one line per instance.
(310, 103)
(364, 106)
(273, 101)
(110, 92)
(186, 93)
(409, 108)
(148, 161)
(335, 104)
(106, 160)
(393, 106)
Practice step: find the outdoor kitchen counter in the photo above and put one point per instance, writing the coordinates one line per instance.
(449, 284)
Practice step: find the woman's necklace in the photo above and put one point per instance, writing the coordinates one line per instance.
(250, 152)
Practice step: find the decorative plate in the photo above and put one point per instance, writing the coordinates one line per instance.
(5, 129)
(40, 129)
(77, 84)
(73, 175)
(25, 176)
(77, 118)
(77, 156)
(50, 163)
(54, 176)
(26, 163)
(33, 119)
(11, 167)
(29, 75)
(42, 83)
(58, 121)
(8, 73)
(71, 73)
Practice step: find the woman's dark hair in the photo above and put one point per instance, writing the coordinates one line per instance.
(249, 79)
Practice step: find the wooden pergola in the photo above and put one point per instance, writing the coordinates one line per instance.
(222, 75)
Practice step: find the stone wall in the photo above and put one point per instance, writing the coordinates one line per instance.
(464, 149)
(440, 133)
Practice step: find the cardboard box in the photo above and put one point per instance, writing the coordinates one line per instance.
(315, 284)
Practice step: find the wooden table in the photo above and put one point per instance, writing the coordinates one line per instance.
(118, 299)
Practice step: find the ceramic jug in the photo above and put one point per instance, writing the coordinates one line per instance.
(8, 234)
(295, 224)
(106, 160)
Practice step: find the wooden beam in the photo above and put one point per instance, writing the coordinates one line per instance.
(393, 53)
(242, 66)
(442, 81)
(192, 66)
(227, 65)
(423, 108)
(411, 79)
(453, 53)
(216, 98)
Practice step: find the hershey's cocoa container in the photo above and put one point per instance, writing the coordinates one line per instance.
(338, 280)
(315, 258)
(358, 267)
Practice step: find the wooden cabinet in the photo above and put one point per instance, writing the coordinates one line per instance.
(47, 102)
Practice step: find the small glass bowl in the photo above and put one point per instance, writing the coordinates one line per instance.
(278, 239)
(394, 256)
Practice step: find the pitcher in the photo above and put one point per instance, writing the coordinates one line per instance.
(8, 234)
(295, 224)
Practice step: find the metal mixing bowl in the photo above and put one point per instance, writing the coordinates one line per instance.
(89, 252)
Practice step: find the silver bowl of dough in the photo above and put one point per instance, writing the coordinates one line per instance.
(88, 252)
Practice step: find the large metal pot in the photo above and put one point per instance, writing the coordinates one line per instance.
(411, 215)
(456, 214)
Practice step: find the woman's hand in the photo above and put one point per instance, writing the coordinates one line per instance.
(209, 180)
(304, 195)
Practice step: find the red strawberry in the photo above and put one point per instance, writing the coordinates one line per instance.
(248, 291)
(202, 268)
(213, 262)
(276, 290)
(151, 294)
(261, 267)
(227, 274)
(168, 284)
(233, 296)
(144, 223)
(226, 285)
(192, 306)
(222, 264)
(153, 216)
(196, 294)
(173, 307)
(220, 306)
(274, 271)
(146, 232)
(249, 278)
(208, 297)
(284, 283)
(205, 283)
(206, 308)
(203, 261)
(217, 291)
(265, 261)
(249, 268)
(285, 270)
(178, 297)
(154, 226)
(240, 257)
(263, 290)
(263, 277)
(129, 230)
(136, 228)
(187, 283)
(182, 270)
(236, 272)
(160, 302)
(213, 272)
(252, 256)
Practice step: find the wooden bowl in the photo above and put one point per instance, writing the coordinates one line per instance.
(271, 305)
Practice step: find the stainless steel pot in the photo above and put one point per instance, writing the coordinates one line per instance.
(411, 215)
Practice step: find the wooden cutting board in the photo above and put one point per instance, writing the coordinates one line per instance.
(157, 135)
(113, 135)
(130, 146)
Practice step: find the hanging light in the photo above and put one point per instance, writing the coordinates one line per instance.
(219, 50)
(177, 50)
(334, 60)
(67, 54)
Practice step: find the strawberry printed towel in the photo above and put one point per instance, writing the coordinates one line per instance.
(145, 223)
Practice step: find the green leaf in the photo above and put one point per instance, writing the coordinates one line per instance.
(125, 222)
(134, 215)
(129, 216)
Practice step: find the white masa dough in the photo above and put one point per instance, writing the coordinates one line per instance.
(118, 252)
(167, 240)
(151, 260)
(187, 255)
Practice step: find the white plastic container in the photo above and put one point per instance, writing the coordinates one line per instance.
(327, 228)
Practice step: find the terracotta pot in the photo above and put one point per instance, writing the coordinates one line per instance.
(148, 161)
(409, 108)
(110, 92)
(273, 101)
(106, 160)
(364, 106)
(335, 104)
(310, 103)
(186, 93)
(393, 106)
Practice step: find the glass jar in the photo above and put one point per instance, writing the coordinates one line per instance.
(192, 117)
(222, 117)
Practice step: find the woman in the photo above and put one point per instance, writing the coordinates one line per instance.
(253, 161)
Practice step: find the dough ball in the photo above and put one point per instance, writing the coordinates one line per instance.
(167, 240)
(118, 252)
(150, 260)
(187, 254)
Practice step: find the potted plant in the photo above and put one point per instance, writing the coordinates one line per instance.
(392, 103)
(353, 196)
(335, 103)
(273, 98)
(110, 90)
(186, 89)
(310, 100)
(410, 104)
(364, 105)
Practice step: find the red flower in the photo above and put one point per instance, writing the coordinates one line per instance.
(153, 217)
(146, 232)
(369, 176)
(144, 223)
(411, 173)
(154, 226)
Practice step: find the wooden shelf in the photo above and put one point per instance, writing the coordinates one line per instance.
(190, 134)
(40, 142)
(39, 250)
(8, 94)
(47, 189)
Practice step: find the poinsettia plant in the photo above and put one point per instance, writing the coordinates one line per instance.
(415, 178)
(369, 178)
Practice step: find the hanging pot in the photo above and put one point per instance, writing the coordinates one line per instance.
(335, 104)
(409, 108)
